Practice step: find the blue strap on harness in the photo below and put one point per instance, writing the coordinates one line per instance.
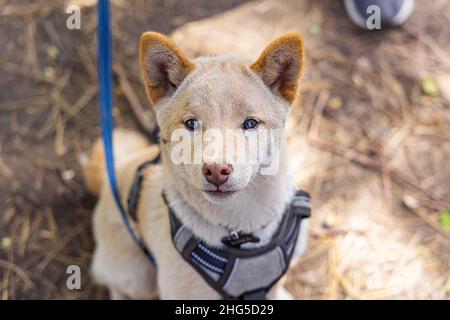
(106, 105)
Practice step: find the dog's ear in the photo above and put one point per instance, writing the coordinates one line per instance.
(280, 64)
(163, 64)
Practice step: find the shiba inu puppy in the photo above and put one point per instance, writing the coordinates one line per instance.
(210, 193)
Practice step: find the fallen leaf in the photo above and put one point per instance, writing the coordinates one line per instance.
(335, 103)
(315, 29)
(444, 219)
(68, 174)
(6, 242)
(429, 86)
(49, 72)
(410, 201)
(52, 52)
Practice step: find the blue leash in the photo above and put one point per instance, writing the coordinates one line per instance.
(106, 106)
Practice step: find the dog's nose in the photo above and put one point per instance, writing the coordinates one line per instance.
(217, 173)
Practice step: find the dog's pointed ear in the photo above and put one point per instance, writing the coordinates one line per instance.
(164, 66)
(280, 64)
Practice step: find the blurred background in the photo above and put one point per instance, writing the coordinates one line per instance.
(369, 137)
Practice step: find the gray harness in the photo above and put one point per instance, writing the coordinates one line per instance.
(234, 272)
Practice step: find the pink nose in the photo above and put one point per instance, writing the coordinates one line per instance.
(217, 173)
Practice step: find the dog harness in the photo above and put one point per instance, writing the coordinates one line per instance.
(235, 272)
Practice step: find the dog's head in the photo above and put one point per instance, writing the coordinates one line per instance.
(221, 118)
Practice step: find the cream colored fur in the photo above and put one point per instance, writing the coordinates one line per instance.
(221, 92)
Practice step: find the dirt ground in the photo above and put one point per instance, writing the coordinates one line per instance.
(368, 138)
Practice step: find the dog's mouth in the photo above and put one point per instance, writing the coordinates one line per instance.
(220, 191)
(220, 194)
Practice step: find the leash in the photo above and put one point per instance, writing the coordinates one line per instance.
(106, 106)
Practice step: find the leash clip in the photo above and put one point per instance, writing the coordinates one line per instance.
(238, 238)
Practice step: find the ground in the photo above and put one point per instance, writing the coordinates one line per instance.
(368, 138)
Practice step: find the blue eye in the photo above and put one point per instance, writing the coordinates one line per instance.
(191, 124)
(250, 123)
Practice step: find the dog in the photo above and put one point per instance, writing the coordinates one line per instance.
(211, 196)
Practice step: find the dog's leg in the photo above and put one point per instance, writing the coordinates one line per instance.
(118, 262)
(115, 294)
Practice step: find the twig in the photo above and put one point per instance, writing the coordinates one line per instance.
(17, 270)
(440, 53)
(146, 119)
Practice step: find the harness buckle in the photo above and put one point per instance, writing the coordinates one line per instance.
(238, 238)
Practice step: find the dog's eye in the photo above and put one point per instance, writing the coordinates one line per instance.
(250, 123)
(191, 124)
